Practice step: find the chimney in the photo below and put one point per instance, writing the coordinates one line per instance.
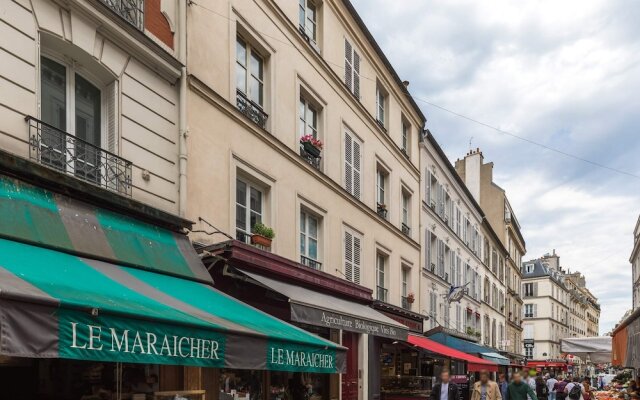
(406, 84)
(473, 172)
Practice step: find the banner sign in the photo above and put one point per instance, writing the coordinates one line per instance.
(290, 357)
(329, 319)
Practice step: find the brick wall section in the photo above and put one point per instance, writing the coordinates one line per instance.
(156, 23)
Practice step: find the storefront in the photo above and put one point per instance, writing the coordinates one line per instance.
(96, 304)
(549, 366)
(315, 301)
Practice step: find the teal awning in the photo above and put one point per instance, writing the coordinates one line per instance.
(469, 347)
(54, 304)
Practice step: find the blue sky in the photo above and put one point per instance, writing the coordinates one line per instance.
(565, 74)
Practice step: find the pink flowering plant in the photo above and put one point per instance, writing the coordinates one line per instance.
(317, 143)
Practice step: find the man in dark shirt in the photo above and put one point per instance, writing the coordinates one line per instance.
(445, 390)
(518, 389)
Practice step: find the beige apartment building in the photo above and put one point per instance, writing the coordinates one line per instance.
(634, 259)
(478, 176)
(346, 215)
(460, 250)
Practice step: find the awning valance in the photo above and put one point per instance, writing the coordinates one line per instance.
(470, 347)
(473, 363)
(320, 309)
(54, 304)
(496, 358)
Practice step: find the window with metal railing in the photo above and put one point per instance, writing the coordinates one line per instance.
(131, 11)
(381, 293)
(67, 153)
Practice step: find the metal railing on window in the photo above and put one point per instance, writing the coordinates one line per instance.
(405, 303)
(313, 160)
(131, 11)
(252, 110)
(406, 229)
(311, 263)
(381, 293)
(66, 153)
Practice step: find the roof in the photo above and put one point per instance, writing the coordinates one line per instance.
(539, 271)
(356, 17)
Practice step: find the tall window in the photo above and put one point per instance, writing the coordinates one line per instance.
(529, 310)
(72, 104)
(406, 210)
(352, 161)
(528, 352)
(352, 69)
(405, 137)
(308, 18)
(381, 178)
(381, 272)
(249, 208)
(308, 118)
(528, 289)
(405, 282)
(352, 256)
(309, 240)
(249, 72)
(381, 99)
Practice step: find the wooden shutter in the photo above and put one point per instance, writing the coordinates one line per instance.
(348, 162)
(356, 168)
(535, 289)
(427, 252)
(348, 65)
(348, 256)
(356, 74)
(112, 176)
(356, 259)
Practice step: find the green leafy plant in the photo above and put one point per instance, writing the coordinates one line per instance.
(263, 230)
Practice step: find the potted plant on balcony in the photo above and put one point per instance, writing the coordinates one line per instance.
(262, 235)
(478, 334)
(311, 145)
(411, 298)
(470, 331)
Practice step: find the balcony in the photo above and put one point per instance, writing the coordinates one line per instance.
(405, 303)
(381, 294)
(406, 229)
(251, 110)
(381, 210)
(131, 11)
(312, 159)
(66, 153)
(311, 263)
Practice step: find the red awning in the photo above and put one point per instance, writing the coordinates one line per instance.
(546, 364)
(473, 363)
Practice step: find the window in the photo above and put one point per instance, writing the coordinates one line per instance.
(459, 318)
(405, 281)
(249, 72)
(381, 195)
(528, 353)
(406, 132)
(308, 16)
(381, 272)
(528, 290)
(529, 268)
(352, 256)
(309, 227)
(352, 69)
(249, 208)
(406, 210)
(73, 104)
(529, 310)
(381, 100)
(352, 161)
(433, 308)
(308, 118)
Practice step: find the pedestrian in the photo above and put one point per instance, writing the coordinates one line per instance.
(445, 390)
(531, 381)
(559, 388)
(574, 389)
(542, 391)
(485, 389)
(551, 384)
(503, 383)
(519, 390)
(587, 390)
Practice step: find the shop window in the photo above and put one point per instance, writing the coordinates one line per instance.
(250, 200)
(309, 239)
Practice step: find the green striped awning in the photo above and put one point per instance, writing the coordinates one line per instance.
(55, 304)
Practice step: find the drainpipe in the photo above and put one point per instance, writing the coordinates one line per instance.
(182, 108)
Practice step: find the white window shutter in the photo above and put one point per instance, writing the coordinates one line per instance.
(356, 75)
(348, 65)
(356, 168)
(356, 260)
(348, 163)
(111, 171)
(348, 256)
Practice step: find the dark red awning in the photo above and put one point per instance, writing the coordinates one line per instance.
(473, 363)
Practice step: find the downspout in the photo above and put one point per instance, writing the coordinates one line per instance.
(182, 109)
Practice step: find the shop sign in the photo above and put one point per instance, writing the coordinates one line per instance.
(413, 325)
(115, 339)
(329, 319)
(291, 358)
(529, 343)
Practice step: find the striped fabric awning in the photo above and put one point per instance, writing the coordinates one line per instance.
(57, 305)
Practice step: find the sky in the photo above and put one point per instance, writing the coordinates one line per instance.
(565, 74)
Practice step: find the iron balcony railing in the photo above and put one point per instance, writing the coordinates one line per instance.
(66, 153)
(406, 229)
(250, 109)
(311, 263)
(310, 158)
(131, 11)
(381, 293)
(405, 303)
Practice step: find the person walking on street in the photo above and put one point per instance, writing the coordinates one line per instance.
(587, 390)
(445, 390)
(542, 391)
(574, 390)
(503, 384)
(551, 386)
(519, 390)
(485, 389)
(559, 388)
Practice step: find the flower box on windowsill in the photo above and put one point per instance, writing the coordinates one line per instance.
(411, 298)
(311, 149)
(260, 240)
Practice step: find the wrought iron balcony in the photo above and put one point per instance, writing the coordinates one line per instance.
(131, 11)
(310, 158)
(250, 109)
(66, 153)
(406, 229)
(382, 210)
(405, 303)
(381, 293)
(311, 263)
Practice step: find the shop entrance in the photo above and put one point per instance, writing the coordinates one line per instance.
(350, 377)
